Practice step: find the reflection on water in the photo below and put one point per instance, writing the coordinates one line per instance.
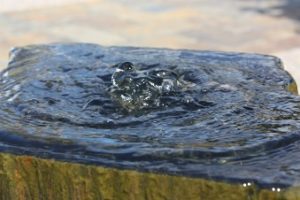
(221, 116)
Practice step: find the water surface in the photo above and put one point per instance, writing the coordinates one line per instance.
(223, 116)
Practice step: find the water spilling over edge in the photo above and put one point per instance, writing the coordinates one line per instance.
(218, 115)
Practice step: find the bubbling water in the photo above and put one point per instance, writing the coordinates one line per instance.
(207, 114)
(140, 89)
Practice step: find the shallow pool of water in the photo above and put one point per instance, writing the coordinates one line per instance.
(222, 116)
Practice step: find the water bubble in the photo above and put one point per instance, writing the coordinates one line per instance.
(135, 89)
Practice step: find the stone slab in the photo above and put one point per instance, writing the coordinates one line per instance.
(237, 120)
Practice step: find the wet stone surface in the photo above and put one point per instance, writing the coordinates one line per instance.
(223, 116)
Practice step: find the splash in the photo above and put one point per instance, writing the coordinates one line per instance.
(140, 88)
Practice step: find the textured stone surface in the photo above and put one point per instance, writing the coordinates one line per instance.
(240, 122)
(25, 177)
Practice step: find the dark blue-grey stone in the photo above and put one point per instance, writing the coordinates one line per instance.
(231, 116)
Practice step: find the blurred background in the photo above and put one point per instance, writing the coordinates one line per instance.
(260, 26)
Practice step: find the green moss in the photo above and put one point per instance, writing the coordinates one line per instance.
(26, 177)
(292, 87)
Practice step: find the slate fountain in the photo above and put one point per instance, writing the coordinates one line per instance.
(91, 122)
